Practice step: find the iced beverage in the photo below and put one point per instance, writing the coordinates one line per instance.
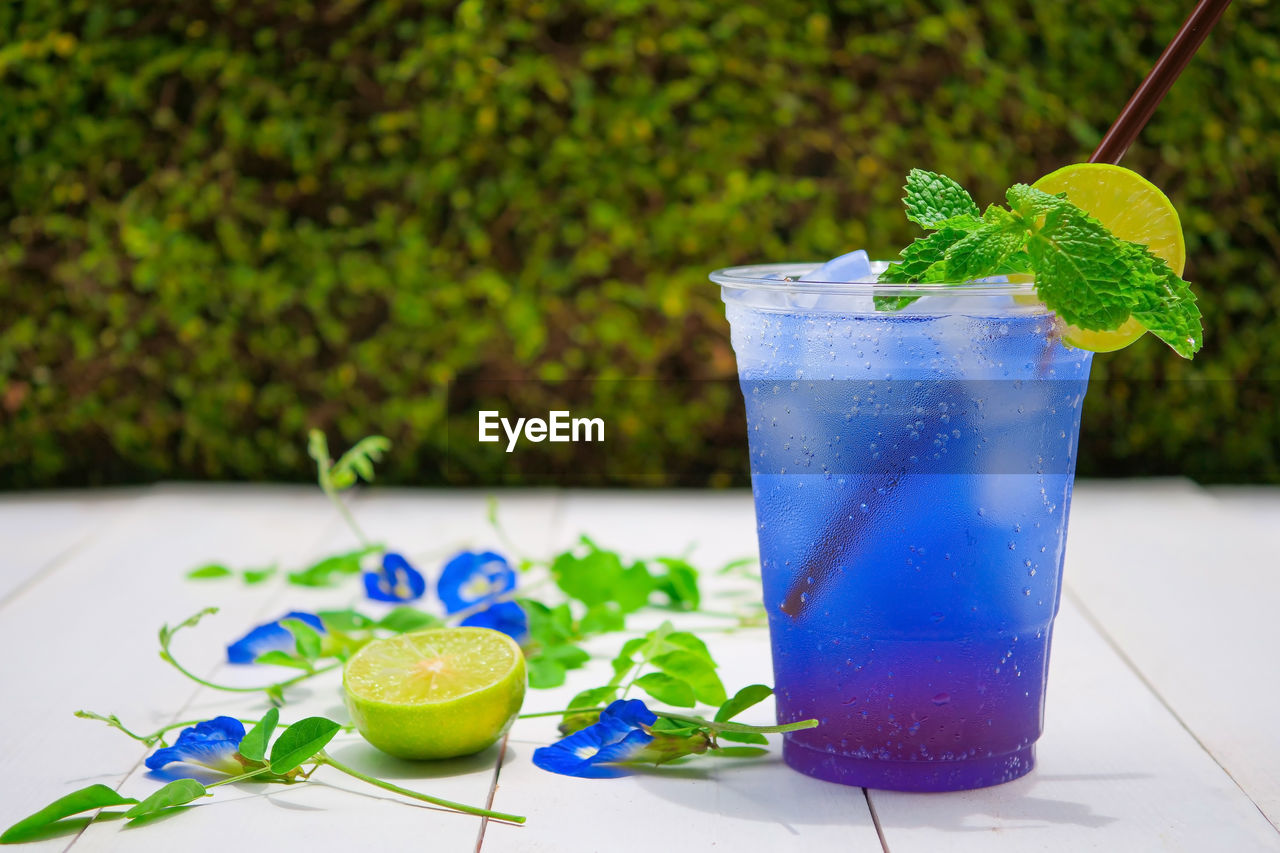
(912, 473)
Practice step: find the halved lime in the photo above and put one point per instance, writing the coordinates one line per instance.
(438, 693)
(1133, 209)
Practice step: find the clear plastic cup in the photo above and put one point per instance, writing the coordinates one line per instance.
(912, 472)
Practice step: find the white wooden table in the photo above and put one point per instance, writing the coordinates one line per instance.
(1161, 731)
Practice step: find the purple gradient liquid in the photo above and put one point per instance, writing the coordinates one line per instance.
(912, 479)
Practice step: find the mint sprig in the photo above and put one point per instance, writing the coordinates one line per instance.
(1085, 274)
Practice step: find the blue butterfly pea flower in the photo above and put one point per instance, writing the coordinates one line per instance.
(505, 616)
(395, 581)
(620, 736)
(474, 577)
(212, 744)
(269, 637)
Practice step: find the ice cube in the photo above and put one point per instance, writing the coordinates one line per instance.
(853, 266)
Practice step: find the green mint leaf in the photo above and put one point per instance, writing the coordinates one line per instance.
(1081, 274)
(1165, 305)
(752, 694)
(668, 689)
(306, 639)
(742, 737)
(1031, 202)
(932, 198)
(209, 572)
(253, 746)
(179, 792)
(404, 619)
(83, 800)
(923, 260)
(300, 742)
(983, 251)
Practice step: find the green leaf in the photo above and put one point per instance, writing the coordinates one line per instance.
(1165, 305)
(567, 655)
(696, 671)
(1080, 272)
(983, 252)
(742, 737)
(590, 698)
(209, 572)
(752, 694)
(932, 199)
(359, 461)
(344, 621)
(277, 657)
(300, 742)
(545, 673)
(404, 618)
(675, 728)
(740, 563)
(1031, 202)
(625, 659)
(690, 643)
(306, 639)
(591, 579)
(679, 583)
(602, 619)
(83, 800)
(667, 689)
(179, 792)
(253, 745)
(253, 577)
(327, 571)
(633, 587)
(740, 752)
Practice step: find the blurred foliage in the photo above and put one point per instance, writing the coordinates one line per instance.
(226, 222)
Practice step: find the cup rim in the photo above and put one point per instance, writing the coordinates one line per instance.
(773, 278)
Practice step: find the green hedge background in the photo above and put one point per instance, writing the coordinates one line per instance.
(225, 222)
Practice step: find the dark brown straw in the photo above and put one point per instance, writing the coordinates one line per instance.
(1152, 90)
(850, 525)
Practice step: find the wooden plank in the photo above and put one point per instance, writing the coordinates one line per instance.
(1116, 771)
(756, 804)
(96, 619)
(355, 813)
(723, 804)
(39, 528)
(1185, 584)
(85, 636)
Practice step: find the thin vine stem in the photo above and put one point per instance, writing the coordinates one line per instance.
(325, 758)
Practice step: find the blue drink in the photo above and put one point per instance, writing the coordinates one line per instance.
(912, 474)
